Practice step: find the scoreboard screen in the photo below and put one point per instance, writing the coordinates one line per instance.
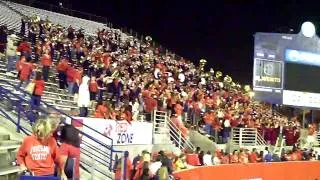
(286, 69)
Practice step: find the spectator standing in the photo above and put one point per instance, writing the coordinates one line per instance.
(3, 39)
(39, 152)
(38, 91)
(11, 53)
(84, 97)
(46, 62)
(62, 73)
(70, 147)
(24, 71)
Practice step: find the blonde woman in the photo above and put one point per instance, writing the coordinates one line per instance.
(39, 152)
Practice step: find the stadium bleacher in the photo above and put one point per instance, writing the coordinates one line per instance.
(233, 105)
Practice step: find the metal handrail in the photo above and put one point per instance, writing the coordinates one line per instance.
(174, 132)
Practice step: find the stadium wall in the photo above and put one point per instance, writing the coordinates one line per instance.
(255, 171)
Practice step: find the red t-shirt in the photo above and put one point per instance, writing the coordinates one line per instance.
(46, 60)
(93, 86)
(39, 87)
(193, 159)
(38, 157)
(72, 152)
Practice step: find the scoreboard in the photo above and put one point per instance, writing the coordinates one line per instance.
(287, 69)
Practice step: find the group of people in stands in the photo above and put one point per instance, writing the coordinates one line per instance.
(200, 158)
(135, 78)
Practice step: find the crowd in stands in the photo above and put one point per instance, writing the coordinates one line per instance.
(162, 165)
(120, 78)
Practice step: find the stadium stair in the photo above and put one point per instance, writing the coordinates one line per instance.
(8, 150)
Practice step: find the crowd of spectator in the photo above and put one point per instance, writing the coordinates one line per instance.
(120, 78)
(162, 165)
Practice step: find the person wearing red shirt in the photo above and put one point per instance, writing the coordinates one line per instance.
(24, 48)
(70, 148)
(38, 91)
(93, 88)
(24, 71)
(193, 159)
(39, 152)
(62, 68)
(253, 157)
(70, 76)
(46, 62)
(150, 105)
(101, 110)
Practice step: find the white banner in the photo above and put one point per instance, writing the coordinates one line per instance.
(121, 132)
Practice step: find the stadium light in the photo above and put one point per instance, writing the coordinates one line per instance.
(308, 29)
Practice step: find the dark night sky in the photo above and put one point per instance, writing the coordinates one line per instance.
(220, 31)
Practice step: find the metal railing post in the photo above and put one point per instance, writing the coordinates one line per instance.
(124, 165)
(240, 137)
(179, 141)
(19, 117)
(111, 158)
(256, 138)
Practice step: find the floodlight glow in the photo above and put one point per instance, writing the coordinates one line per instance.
(308, 29)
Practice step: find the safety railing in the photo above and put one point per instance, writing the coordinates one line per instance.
(246, 137)
(163, 125)
(97, 154)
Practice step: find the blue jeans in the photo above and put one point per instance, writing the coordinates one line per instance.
(70, 87)
(11, 63)
(35, 101)
(45, 73)
(208, 129)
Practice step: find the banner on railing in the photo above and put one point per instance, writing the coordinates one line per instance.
(121, 132)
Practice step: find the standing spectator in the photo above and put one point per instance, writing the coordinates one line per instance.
(46, 62)
(3, 39)
(84, 97)
(11, 53)
(38, 91)
(39, 152)
(24, 48)
(62, 73)
(24, 71)
(70, 76)
(93, 88)
(70, 147)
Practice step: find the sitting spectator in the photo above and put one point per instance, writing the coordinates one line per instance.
(180, 162)
(39, 152)
(207, 159)
(193, 159)
(253, 157)
(155, 166)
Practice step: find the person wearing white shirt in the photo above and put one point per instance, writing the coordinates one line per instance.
(154, 167)
(207, 159)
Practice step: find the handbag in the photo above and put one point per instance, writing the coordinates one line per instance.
(30, 87)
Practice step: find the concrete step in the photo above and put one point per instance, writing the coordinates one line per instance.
(6, 158)
(9, 142)
(4, 137)
(9, 147)
(9, 170)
